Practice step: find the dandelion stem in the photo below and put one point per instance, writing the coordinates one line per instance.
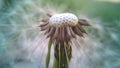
(55, 63)
(48, 54)
(63, 54)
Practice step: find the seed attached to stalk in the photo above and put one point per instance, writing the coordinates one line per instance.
(61, 29)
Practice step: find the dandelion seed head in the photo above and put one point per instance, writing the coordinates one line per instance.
(63, 18)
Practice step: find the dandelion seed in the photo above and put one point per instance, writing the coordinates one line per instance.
(61, 29)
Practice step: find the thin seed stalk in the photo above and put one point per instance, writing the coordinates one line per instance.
(63, 53)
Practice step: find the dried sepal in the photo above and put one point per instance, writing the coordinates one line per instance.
(47, 30)
(56, 34)
(72, 33)
(81, 28)
(51, 33)
(44, 27)
(43, 24)
(69, 33)
(83, 22)
(63, 33)
(44, 20)
(77, 31)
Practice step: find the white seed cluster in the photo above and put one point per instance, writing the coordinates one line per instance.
(64, 18)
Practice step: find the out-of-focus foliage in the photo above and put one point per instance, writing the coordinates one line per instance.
(16, 16)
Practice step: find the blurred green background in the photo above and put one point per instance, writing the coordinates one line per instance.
(16, 16)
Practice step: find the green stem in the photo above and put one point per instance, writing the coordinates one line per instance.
(55, 63)
(63, 52)
(48, 54)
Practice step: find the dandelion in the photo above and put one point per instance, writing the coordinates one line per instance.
(61, 29)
